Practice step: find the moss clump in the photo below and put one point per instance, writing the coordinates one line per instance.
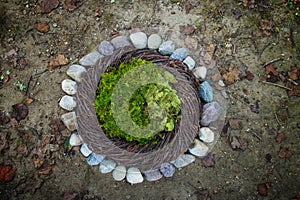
(140, 103)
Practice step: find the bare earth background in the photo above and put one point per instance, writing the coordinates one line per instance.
(245, 34)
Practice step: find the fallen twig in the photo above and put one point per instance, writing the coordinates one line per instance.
(276, 117)
(254, 133)
(272, 61)
(277, 85)
(263, 49)
(28, 84)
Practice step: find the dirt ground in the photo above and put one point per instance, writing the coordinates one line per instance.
(246, 35)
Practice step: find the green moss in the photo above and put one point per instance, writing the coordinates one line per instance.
(141, 102)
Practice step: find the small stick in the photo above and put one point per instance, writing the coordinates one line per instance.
(276, 117)
(263, 49)
(28, 84)
(277, 85)
(272, 61)
(254, 133)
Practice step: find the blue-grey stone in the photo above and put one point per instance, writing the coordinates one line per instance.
(90, 59)
(179, 54)
(183, 160)
(107, 166)
(167, 48)
(76, 72)
(85, 150)
(167, 169)
(198, 149)
(153, 175)
(139, 40)
(190, 62)
(206, 92)
(106, 48)
(119, 173)
(95, 159)
(210, 113)
(120, 41)
(68, 102)
(154, 41)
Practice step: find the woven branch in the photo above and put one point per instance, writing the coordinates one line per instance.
(149, 157)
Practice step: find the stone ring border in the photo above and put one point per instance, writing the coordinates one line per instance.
(90, 66)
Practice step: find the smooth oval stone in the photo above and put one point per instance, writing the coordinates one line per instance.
(139, 40)
(120, 41)
(134, 175)
(70, 121)
(167, 48)
(190, 62)
(85, 150)
(90, 59)
(179, 54)
(68, 102)
(153, 175)
(119, 173)
(69, 86)
(167, 169)
(106, 48)
(200, 72)
(76, 72)
(221, 83)
(95, 159)
(210, 113)
(183, 160)
(199, 149)
(206, 92)
(75, 140)
(206, 135)
(154, 41)
(107, 166)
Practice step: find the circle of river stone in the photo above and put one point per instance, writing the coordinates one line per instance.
(98, 142)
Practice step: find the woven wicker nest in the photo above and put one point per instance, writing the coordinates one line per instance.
(150, 158)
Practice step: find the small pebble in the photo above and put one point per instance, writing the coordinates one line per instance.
(200, 72)
(206, 135)
(85, 150)
(199, 149)
(119, 173)
(75, 140)
(153, 175)
(120, 41)
(167, 48)
(139, 40)
(67, 102)
(154, 41)
(90, 59)
(210, 113)
(69, 86)
(134, 175)
(190, 62)
(183, 160)
(221, 83)
(167, 169)
(179, 54)
(95, 159)
(224, 94)
(76, 72)
(69, 119)
(206, 92)
(107, 166)
(106, 48)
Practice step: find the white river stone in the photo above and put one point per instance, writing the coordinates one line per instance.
(154, 41)
(76, 72)
(200, 72)
(69, 86)
(90, 59)
(134, 175)
(68, 102)
(183, 160)
(75, 140)
(206, 135)
(107, 166)
(199, 149)
(69, 119)
(85, 150)
(119, 173)
(139, 40)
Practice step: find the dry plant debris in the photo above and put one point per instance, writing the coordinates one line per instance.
(48, 5)
(6, 173)
(42, 26)
(20, 111)
(57, 61)
(186, 29)
(231, 75)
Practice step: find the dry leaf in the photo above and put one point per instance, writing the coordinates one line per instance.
(38, 162)
(295, 89)
(186, 30)
(42, 26)
(72, 4)
(235, 123)
(20, 111)
(57, 61)
(6, 173)
(285, 153)
(280, 137)
(294, 73)
(231, 76)
(48, 5)
(271, 74)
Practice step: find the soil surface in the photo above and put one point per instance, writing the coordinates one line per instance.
(258, 153)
